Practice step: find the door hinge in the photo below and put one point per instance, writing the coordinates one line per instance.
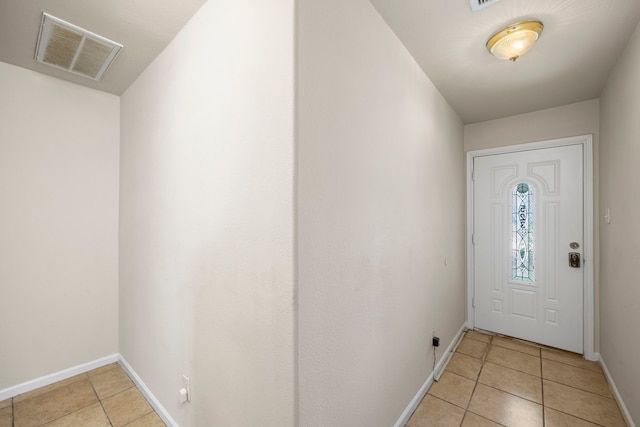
(473, 175)
(473, 302)
(473, 239)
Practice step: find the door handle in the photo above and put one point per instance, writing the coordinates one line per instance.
(574, 259)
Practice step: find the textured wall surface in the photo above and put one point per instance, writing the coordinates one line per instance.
(620, 292)
(206, 236)
(381, 205)
(560, 122)
(58, 225)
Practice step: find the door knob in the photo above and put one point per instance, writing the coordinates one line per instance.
(574, 260)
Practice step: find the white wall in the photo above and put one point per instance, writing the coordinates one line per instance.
(581, 118)
(58, 225)
(206, 236)
(620, 240)
(553, 123)
(381, 205)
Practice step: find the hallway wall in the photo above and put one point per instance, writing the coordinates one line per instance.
(206, 235)
(581, 118)
(620, 290)
(58, 225)
(380, 209)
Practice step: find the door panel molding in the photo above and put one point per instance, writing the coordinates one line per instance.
(586, 141)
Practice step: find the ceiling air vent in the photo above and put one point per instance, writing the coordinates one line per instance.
(479, 4)
(74, 49)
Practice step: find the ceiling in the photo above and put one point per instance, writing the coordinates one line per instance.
(144, 27)
(580, 44)
(576, 52)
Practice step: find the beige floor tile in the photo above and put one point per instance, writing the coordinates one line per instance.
(48, 388)
(125, 407)
(504, 408)
(433, 412)
(515, 382)
(54, 404)
(91, 416)
(149, 420)
(110, 382)
(454, 389)
(478, 336)
(553, 418)
(514, 360)
(103, 369)
(466, 366)
(582, 404)
(573, 359)
(472, 348)
(584, 379)
(6, 417)
(5, 404)
(473, 420)
(517, 345)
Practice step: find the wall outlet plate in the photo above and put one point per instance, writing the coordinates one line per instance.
(186, 384)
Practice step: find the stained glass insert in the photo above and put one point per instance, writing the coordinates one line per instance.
(522, 226)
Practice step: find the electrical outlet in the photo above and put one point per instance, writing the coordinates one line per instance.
(186, 385)
(435, 341)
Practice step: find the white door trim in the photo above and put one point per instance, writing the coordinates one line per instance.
(589, 297)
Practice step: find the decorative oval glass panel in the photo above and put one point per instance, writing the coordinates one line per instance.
(522, 263)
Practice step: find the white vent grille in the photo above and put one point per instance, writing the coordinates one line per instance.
(480, 4)
(74, 49)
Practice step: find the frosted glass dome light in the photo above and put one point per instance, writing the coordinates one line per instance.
(514, 40)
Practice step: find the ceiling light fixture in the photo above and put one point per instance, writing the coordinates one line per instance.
(514, 40)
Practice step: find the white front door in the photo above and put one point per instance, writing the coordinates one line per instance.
(527, 234)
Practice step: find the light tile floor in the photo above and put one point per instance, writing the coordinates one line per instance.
(104, 397)
(499, 381)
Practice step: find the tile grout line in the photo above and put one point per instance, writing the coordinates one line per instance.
(100, 401)
(580, 418)
(120, 392)
(464, 335)
(466, 411)
(64, 415)
(581, 370)
(140, 417)
(579, 389)
(544, 407)
(483, 360)
(572, 365)
(513, 369)
(73, 410)
(50, 391)
(145, 399)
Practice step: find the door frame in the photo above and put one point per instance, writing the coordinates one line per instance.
(586, 141)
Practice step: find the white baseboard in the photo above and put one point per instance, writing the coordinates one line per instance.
(153, 401)
(15, 390)
(623, 408)
(440, 367)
